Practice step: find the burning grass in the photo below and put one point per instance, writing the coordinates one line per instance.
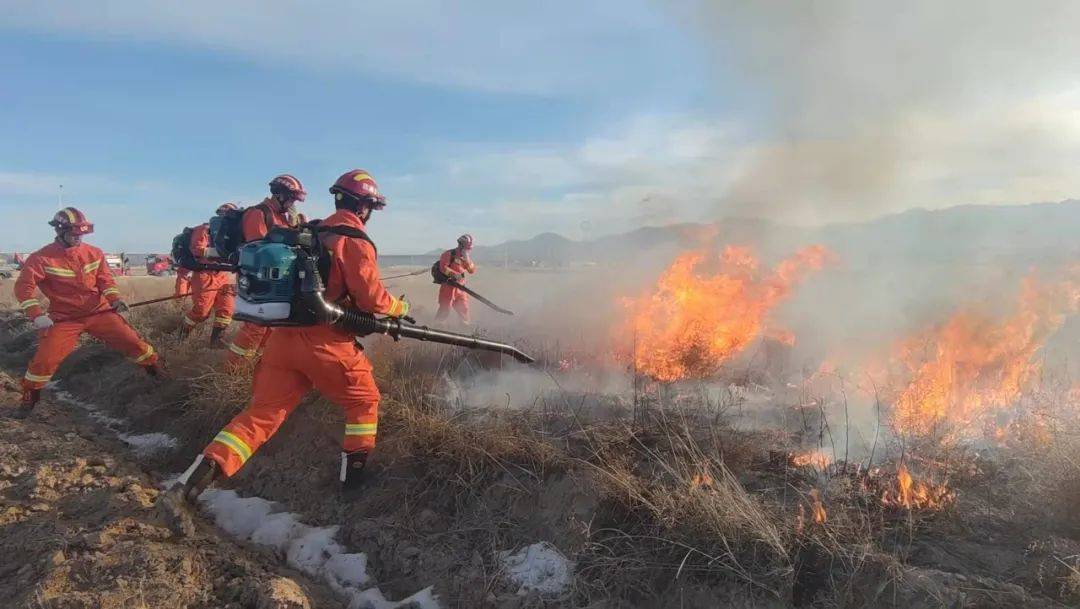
(706, 309)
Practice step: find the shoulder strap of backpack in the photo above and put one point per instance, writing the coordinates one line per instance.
(347, 231)
(344, 231)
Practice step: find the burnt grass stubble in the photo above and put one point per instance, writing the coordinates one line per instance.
(660, 502)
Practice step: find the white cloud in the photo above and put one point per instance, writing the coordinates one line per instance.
(553, 48)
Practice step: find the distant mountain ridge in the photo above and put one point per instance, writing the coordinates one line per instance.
(982, 232)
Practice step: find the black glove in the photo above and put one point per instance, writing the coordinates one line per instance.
(119, 306)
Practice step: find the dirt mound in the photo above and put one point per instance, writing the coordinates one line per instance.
(79, 530)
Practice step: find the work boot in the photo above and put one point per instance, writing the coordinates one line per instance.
(30, 398)
(352, 470)
(204, 475)
(215, 338)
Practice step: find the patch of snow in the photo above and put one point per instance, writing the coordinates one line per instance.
(238, 516)
(374, 599)
(540, 567)
(143, 445)
(347, 571)
(310, 549)
(149, 444)
(276, 530)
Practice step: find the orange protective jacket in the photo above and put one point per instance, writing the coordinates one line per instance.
(354, 274)
(455, 266)
(200, 240)
(255, 217)
(76, 280)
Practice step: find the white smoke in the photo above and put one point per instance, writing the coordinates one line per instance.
(880, 106)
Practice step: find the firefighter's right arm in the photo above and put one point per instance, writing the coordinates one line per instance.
(364, 284)
(26, 287)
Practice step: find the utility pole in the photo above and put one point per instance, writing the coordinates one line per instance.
(60, 198)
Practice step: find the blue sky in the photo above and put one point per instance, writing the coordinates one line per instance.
(149, 128)
(508, 119)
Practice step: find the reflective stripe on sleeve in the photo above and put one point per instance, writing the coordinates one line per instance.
(93, 266)
(398, 307)
(26, 304)
(113, 291)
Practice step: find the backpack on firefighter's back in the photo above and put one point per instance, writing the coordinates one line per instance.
(437, 274)
(181, 251)
(270, 273)
(227, 230)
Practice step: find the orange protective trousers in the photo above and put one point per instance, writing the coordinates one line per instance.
(211, 291)
(59, 340)
(297, 359)
(246, 345)
(450, 296)
(183, 282)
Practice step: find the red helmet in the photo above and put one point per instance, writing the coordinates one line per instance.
(225, 208)
(288, 186)
(358, 184)
(71, 220)
(465, 241)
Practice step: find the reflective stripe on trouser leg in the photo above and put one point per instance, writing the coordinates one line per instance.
(54, 346)
(276, 390)
(224, 304)
(115, 332)
(359, 436)
(248, 341)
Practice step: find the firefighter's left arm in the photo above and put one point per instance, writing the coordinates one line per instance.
(106, 284)
(363, 282)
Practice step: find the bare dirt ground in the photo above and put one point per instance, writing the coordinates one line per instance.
(79, 529)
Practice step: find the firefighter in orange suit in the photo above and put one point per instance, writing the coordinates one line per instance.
(76, 279)
(210, 290)
(455, 264)
(320, 356)
(275, 210)
(183, 284)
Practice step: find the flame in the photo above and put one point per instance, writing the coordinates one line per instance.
(814, 458)
(701, 480)
(817, 510)
(706, 309)
(911, 494)
(974, 365)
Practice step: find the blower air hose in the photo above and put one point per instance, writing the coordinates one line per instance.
(363, 324)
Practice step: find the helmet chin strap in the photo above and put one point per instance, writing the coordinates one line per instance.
(67, 238)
